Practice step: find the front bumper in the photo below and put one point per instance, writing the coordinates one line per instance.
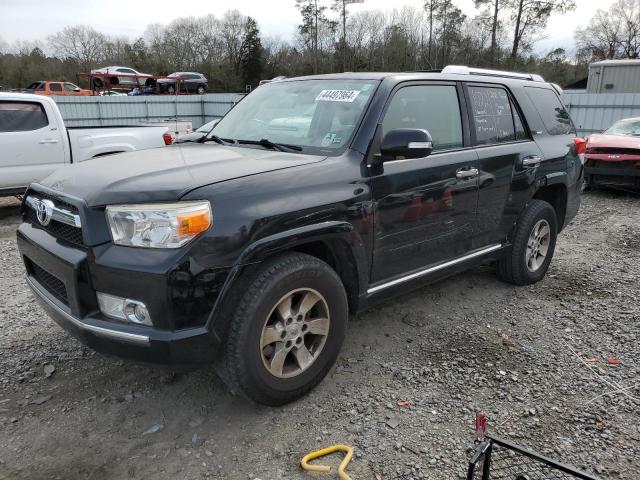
(187, 347)
(620, 174)
(76, 310)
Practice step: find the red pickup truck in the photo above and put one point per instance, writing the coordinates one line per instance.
(612, 158)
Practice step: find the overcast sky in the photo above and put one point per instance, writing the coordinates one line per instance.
(35, 19)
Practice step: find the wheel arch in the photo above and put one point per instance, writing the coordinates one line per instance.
(335, 242)
(554, 191)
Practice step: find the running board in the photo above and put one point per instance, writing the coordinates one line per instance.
(435, 268)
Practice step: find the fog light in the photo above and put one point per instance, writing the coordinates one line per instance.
(123, 309)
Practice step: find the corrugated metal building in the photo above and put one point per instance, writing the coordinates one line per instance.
(594, 112)
(614, 76)
(105, 111)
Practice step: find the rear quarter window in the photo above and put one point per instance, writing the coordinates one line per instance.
(554, 116)
(22, 116)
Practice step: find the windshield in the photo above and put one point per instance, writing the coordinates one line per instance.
(625, 127)
(318, 115)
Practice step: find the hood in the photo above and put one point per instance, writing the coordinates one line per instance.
(166, 173)
(615, 141)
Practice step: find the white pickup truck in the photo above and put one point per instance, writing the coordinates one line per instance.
(34, 140)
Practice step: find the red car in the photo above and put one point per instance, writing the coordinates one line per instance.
(612, 158)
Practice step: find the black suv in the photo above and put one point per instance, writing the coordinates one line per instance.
(312, 199)
(190, 82)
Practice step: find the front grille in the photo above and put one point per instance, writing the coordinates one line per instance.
(59, 203)
(53, 285)
(627, 164)
(613, 151)
(62, 231)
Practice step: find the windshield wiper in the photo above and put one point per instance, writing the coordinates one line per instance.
(282, 147)
(211, 138)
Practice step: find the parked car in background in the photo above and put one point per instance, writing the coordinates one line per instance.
(251, 249)
(198, 133)
(191, 82)
(112, 93)
(612, 158)
(44, 87)
(35, 142)
(121, 76)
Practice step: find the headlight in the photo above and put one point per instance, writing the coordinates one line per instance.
(168, 225)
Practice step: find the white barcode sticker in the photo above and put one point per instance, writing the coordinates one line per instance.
(337, 95)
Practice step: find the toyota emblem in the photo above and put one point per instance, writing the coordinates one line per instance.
(44, 212)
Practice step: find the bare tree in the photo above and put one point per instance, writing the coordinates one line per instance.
(81, 43)
(614, 33)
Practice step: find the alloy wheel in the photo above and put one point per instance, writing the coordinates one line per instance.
(538, 245)
(294, 333)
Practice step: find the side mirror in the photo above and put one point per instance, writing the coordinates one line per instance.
(406, 143)
(77, 89)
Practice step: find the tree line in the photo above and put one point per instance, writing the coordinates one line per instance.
(333, 37)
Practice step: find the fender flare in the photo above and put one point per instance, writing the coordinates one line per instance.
(554, 178)
(267, 247)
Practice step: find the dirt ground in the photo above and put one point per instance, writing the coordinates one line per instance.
(541, 361)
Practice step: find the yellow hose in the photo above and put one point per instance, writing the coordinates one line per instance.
(304, 463)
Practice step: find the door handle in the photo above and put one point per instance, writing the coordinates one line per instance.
(465, 174)
(48, 140)
(531, 161)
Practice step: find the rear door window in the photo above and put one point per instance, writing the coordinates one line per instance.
(554, 116)
(434, 108)
(55, 87)
(22, 116)
(493, 119)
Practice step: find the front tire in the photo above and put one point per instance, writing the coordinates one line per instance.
(201, 90)
(533, 245)
(287, 330)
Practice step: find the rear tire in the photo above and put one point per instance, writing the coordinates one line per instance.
(171, 89)
(533, 245)
(287, 330)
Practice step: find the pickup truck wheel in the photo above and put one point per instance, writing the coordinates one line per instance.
(533, 244)
(287, 330)
(201, 89)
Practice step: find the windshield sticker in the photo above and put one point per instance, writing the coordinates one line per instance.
(337, 95)
(330, 138)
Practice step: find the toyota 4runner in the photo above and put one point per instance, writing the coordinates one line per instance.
(312, 199)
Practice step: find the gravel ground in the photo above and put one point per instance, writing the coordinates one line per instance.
(541, 361)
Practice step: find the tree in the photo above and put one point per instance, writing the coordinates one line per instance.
(450, 18)
(81, 43)
(314, 21)
(251, 54)
(340, 6)
(430, 6)
(614, 33)
(530, 16)
(495, 6)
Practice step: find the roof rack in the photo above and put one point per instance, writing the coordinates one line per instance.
(464, 70)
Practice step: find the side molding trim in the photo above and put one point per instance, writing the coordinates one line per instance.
(435, 268)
